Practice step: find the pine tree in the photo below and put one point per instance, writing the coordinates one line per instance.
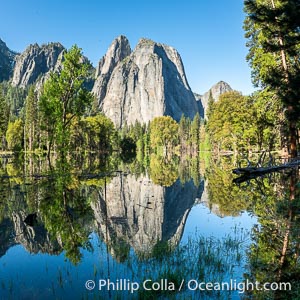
(272, 28)
(210, 104)
(30, 123)
(4, 118)
(195, 130)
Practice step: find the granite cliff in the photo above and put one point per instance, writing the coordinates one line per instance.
(143, 84)
(129, 86)
(7, 61)
(36, 63)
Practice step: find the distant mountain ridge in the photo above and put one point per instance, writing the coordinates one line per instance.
(129, 85)
(36, 62)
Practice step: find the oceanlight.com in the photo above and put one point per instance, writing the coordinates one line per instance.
(242, 287)
(191, 285)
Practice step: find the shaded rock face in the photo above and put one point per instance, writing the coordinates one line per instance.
(148, 83)
(6, 236)
(35, 239)
(216, 90)
(7, 60)
(35, 64)
(142, 213)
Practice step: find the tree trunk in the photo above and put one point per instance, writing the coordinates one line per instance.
(293, 139)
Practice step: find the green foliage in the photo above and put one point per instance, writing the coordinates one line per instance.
(184, 130)
(31, 119)
(239, 123)
(4, 118)
(64, 98)
(163, 171)
(15, 97)
(272, 30)
(14, 135)
(229, 199)
(195, 129)
(64, 211)
(268, 119)
(163, 132)
(209, 105)
(93, 133)
(128, 149)
(230, 124)
(274, 253)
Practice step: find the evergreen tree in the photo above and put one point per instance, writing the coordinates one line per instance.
(30, 123)
(195, 130)
(184, 131)
(272, 28)
(210, 104)
(4, 117)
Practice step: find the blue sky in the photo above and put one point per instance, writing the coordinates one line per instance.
(207, 34)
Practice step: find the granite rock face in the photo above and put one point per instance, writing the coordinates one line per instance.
(118, 50)
(148, 83)
(140, 213)
(7, 61)
(36, 63)
(216, 90)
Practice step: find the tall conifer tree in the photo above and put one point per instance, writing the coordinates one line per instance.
(273, 32)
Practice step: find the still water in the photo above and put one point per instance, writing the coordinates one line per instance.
(137, 232)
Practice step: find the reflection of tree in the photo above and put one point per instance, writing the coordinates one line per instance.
(64, 210)
(230, 199)
(163, 171)
(274, 255)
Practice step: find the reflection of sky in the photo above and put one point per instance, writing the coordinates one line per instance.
(206, 223)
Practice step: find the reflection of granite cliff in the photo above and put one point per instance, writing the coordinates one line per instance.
(141, 213)
(35, 239)
(6, 236)
(14, 230)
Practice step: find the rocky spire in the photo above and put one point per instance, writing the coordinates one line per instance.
(118, 50)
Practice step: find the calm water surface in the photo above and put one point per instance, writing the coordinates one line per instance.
(62, 227)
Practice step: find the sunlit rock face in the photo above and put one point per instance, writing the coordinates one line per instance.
(35, 64)
(141, 213)
(216, 91)
(143, 84)
(118, 50)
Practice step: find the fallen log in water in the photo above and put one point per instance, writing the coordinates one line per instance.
(253, 172)
(263, 170)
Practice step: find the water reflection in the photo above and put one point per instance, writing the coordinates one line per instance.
(108, 218)
(50, 208)
(141, 213)
(274, 253)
